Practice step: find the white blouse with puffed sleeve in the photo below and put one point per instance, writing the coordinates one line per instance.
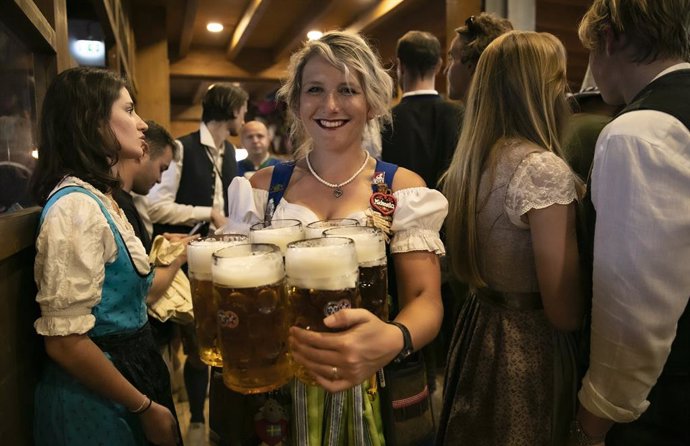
(417, 219)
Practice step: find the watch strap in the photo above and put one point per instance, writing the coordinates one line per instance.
(408, 348)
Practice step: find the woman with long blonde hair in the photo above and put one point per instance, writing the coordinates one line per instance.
(511, 236)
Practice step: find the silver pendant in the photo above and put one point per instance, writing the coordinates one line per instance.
(337, 192)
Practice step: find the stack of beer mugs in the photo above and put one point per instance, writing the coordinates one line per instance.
(322, 279)
(373, 272)
(199, 266)
(249, 282)
(247, 295)
(278, 232)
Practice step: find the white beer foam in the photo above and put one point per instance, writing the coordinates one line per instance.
(277, 236)
(249, 270)
(369, 245)
(333, 267)
(199, 256)
(314, 232)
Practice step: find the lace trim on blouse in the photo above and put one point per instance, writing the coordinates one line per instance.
(540, 180)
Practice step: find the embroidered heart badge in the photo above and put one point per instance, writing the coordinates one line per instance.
(383, 203)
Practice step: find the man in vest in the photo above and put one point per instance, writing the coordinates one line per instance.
(194, 190)
(637, 388)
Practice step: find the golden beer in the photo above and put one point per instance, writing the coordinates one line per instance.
(199, 260)
(322, 277)
(252, 318)
(373, 272)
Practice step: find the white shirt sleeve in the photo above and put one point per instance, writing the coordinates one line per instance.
(72, 248)
(417, 220)
(245, 208)
(641, 282)
(74, 244)
(162, 207)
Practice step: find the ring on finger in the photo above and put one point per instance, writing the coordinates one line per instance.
(334, 374)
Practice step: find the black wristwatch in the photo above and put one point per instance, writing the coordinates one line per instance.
(407, 349)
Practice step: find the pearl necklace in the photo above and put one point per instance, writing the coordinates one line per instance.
(338, 188)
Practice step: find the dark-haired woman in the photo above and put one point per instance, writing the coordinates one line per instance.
(104, 381)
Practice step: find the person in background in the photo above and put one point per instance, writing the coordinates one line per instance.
(511, 231)
(336, 88)
(466, 48)
(422, 137)
(104, 381)
(255, 139)
(636, 391)
(191, 191)
(138, 176)
(425, 127)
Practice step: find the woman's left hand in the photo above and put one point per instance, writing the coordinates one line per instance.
(342, 360)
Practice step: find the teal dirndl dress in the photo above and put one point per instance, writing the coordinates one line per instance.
(66, 412)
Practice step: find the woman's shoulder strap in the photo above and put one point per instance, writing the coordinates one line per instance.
(383, 173)
(282, 172)
(77, 189)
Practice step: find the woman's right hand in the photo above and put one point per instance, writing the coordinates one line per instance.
(160, 426)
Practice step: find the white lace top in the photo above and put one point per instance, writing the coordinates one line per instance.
(540, 180)
(73, 246)
(416, 222)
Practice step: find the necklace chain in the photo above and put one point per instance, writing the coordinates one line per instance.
(338, 188)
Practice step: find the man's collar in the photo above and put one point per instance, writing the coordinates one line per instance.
(207, 139)
(676, 67)
(420, 92)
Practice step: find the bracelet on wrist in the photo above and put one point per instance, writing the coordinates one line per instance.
(143, 407)
(581, 437)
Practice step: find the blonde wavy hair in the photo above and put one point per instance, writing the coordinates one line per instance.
(655, 29)
(518, 92)
(348, 52)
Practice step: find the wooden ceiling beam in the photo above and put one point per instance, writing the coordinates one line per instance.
(295, 34)
(187, 31)
(205, 63)
(201, 90)
(375, 15)
(255, 10)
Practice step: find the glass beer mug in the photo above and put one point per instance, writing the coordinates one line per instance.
(199, 260)
(373, 272)
(322, 276)
(278, 232)
(249, 284)
(315, 229)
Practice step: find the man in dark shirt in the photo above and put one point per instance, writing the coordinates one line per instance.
(425, 127)
(256, 141)
(138, 176)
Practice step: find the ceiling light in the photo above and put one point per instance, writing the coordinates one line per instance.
(214, 27)
(314, 34)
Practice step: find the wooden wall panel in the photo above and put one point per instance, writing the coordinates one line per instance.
(561, 18)
(21, 349)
